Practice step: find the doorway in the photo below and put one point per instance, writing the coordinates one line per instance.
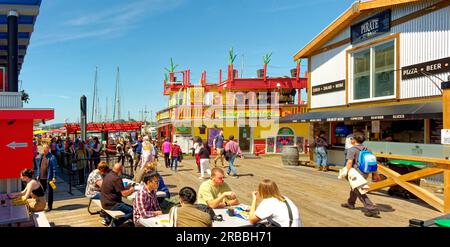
(245, 138)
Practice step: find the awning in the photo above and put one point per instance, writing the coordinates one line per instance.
(409, 111)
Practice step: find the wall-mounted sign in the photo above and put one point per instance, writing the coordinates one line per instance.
(370, 27)
(445, 136)
(329, 87)
(423, 69)
(376, 126)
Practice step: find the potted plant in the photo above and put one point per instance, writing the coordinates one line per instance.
(231, 58)
(25, 97)
(294, 71)
(171, 71)
(266, 59)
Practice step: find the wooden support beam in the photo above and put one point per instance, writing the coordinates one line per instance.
(421, 193)
(444, 162)
(406, 177)
(447, 192)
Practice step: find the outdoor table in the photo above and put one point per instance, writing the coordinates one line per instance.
(10, 214)
(228, 221)
(435, 166)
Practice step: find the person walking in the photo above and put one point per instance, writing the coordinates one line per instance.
(166, 150)
(204, 160)
(370, 209)
(175, 155)
(46, 173)
(197, 146)
(321, 151)
(218, 146)
(234, 151)
(96, 152)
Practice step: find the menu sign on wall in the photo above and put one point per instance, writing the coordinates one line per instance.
(329, 87)
(370, 27)
(423, 69)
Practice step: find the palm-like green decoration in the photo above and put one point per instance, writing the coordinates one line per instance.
(266, 58)
(166, 77)
(232, 57)
(299, 61)
(172, 66)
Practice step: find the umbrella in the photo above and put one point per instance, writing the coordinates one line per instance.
(38, 132)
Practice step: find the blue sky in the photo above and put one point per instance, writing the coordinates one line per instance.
(140, 36)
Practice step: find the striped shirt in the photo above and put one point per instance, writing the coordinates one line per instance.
(145, 204)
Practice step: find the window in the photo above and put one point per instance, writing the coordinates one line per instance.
(373, 72)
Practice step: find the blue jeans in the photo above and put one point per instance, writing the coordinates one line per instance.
(174, 163)
(321, 156)
(126, 209)
(231, 167)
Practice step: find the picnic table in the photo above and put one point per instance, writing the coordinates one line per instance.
(228, 221)
(434, 166)
(11, 214)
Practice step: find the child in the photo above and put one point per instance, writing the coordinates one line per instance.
(204, 160)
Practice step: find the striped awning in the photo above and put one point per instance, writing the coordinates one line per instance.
(28, 11)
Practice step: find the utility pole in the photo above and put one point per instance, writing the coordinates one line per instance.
(94, 98)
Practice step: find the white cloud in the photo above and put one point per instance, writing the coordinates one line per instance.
(107, 23)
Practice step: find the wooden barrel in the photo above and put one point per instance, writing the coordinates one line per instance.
(289, 156)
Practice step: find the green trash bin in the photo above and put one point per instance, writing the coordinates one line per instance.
(404, 167)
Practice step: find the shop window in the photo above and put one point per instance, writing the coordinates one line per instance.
(373, 72)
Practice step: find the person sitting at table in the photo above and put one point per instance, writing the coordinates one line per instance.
(151, 167)
(94, 183)
(34, 189)
(145, 203)
(112, 191)
(215, 193)
(95, 179)
(188, 215)
(277, 209)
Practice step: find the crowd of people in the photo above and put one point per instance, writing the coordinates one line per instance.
(195, 208)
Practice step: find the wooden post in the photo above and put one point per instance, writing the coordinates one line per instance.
(446, 115)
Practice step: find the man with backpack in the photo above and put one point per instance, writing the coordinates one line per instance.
(359, 158)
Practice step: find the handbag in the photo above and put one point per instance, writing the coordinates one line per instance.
(272, 223)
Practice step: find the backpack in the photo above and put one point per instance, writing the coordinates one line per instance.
(367, 162)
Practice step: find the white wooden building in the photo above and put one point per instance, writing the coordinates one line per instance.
(380, 63)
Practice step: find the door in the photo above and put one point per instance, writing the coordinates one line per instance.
(244, 138)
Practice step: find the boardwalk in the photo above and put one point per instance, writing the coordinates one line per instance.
(317, 194)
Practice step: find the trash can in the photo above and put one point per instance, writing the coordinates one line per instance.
(404, 167)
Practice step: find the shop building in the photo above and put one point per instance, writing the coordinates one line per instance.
(248, 108)
(378, 68)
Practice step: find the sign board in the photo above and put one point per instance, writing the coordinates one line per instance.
(370, 27)
(16, 147)
(445, 136)
(329, 87)
(376, 126)
(259, 146)
(423, 69)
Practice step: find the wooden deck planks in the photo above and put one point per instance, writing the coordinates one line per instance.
(317, 194)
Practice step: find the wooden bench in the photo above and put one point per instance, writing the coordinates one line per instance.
(115, 214)
(40, 220)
